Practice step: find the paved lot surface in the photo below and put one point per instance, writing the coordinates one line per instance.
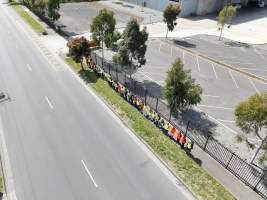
(250, 58)
(77, 17)
(223, 90)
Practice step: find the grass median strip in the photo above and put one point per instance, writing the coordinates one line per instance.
(203, 185)
(29, 19)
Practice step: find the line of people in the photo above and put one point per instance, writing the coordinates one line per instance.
(154, 117)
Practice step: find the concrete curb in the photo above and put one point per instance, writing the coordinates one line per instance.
(216, 61)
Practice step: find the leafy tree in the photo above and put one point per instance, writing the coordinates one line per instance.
(53, 9)
(112, 38)
(180, 89)
(170, 16)
(102, 26)
(251, 116)
(122, 57)
(225, 17)
(79, 48)
(133, 46)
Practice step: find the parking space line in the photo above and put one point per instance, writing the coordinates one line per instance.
(213, 96)
(29, 67)
(257, 52)
(233, 78)
(243, 49)
(160, 44)
(217, 107)
(220, 122)
(254, 86)
(144, 74)
(224, 120)
(198, 63)
(49, 102)
(216, 76)
(88, 172)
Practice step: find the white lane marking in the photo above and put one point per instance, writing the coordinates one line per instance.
(48, 102)
(88, 172)
(217, 107)
(233, 79)
(257, 52)
(29, 67)
(207, 95)
(171, 50)
(254, 86)
(160, 44)
(224, 120)
(216, 76)
(183, 57)
(198, 63)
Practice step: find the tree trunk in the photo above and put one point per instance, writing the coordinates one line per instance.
(258, 149)
(82, 64)
(102, 45)
(221, 33)
(167, 32)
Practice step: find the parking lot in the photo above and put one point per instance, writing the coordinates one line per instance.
(246, 57)
(223, 88)
(76, 18)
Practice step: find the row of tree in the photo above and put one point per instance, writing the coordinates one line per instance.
(49, 8)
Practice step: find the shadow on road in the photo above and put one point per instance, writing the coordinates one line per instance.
(184, 44)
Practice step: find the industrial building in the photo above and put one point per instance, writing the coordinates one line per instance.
(197, 7)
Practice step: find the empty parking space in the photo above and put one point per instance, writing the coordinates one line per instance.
(223, 88)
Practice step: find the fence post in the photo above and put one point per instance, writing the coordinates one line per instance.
(229, 160)
(255, 187)
(117, 74)
(187, 127)
(157, 103)
(145, 94)
(170, 115)
(125, 79)
(206, 143)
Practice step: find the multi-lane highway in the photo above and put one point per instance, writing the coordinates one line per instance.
(62, 142)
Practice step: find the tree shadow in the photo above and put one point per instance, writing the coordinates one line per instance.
(88, 76)
(199, 121)
(197, 160)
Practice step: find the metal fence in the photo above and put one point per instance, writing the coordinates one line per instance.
(253, 177)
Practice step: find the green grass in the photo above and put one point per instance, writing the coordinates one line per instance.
(203, 185)
(29, 19)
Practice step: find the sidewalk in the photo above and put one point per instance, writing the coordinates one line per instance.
(57, 46)
(251, 31)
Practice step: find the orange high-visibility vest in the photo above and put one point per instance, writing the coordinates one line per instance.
(179, 135)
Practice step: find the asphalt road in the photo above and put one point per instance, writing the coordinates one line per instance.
(62, 143)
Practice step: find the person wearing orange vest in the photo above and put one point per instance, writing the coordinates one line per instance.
(182, 141)
(179, 135)
(172, 132)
